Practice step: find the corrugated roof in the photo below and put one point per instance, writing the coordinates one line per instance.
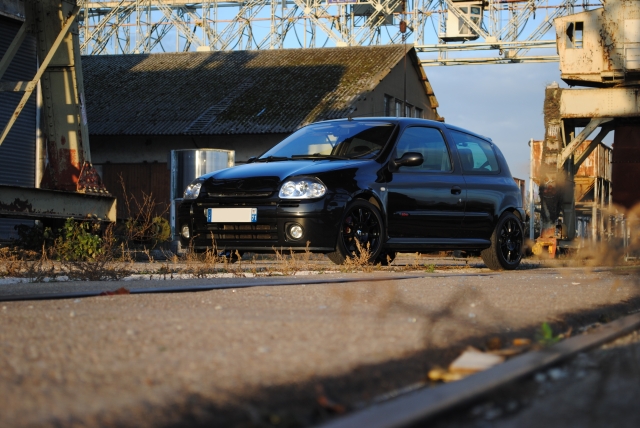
(237, 92)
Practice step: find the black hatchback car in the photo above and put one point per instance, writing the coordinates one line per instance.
(389, 184)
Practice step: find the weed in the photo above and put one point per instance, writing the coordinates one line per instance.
(431, 268)
(144, 226)
(360, 260)
(78, 241)
(41, 268)
(165, 271)
(416, 261)
(294, 262)
(102, 265)
(545, 336)
(288, 265)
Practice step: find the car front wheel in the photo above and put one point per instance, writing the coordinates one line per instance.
(361, 229)
(505, 252)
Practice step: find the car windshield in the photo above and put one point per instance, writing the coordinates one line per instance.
(333, 140)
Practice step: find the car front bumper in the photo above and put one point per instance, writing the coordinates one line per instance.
(319, 220)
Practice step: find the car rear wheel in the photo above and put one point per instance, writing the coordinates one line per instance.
(361, 224)
(505, 252)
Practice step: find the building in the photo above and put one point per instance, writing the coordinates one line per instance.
(140, 107)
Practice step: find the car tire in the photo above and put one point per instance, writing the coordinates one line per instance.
(507, 241)
(363, 222)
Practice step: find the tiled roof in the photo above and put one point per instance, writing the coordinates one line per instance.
(237, 92)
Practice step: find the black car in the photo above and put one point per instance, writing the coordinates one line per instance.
(389, 184)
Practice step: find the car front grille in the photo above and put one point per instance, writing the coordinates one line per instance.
(244, 231)
(264, 230)
(240, 194)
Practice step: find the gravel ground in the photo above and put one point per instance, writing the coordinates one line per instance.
(290, 355)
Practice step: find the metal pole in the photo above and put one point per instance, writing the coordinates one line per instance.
(532, 205)
(594, 212)
(40, 139)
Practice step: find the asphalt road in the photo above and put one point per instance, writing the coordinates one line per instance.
(270, 355)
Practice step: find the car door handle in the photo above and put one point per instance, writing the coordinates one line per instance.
(456, 190)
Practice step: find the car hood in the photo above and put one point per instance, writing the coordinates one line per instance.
(262, 177)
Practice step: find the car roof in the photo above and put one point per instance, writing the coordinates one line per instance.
(411, 120)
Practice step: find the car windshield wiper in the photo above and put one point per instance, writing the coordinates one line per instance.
(367, 153)
(272, 159)
(319, 156)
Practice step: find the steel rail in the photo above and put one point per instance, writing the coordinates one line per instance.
(419, 405)
(112, 285)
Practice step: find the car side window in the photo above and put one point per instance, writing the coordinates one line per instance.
(430, 143)
(476, 155)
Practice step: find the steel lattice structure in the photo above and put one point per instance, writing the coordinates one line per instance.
(445, 32)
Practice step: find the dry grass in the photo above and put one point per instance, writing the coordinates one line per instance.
(26, 264)
(293, 262)
(115, 260)
(359, 260)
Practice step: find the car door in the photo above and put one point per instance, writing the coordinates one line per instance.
(483, 181)
(425, 201)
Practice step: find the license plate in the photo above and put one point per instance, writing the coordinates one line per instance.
(232, 215)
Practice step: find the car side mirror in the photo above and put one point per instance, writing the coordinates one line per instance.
(252, 159)
(407, 159)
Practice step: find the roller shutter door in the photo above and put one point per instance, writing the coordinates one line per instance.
(18, 151)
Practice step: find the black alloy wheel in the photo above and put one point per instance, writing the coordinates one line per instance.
(506, 244)
(361, 224)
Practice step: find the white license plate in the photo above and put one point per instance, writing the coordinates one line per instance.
(232, 215)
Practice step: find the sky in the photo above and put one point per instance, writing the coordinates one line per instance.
(503, 102)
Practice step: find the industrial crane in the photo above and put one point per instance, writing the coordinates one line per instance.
(69, 185)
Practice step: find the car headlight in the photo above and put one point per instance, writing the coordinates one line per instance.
(193, 190)
(304, 188)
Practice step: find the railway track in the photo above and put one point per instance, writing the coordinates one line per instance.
(107, 287)
(417, 406)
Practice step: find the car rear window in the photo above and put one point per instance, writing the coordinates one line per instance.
(476, 155)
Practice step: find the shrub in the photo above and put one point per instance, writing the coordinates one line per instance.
(78, 241)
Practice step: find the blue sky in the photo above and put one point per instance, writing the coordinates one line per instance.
(503, 102)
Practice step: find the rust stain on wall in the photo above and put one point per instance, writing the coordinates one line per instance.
(17, 205)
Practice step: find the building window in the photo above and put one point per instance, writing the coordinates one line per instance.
(398, 111)
(389, 106)
(417, 112)
(408, 110)
(574, 35)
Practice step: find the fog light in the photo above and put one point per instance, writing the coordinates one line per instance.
(185, 231)
(295, 231)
